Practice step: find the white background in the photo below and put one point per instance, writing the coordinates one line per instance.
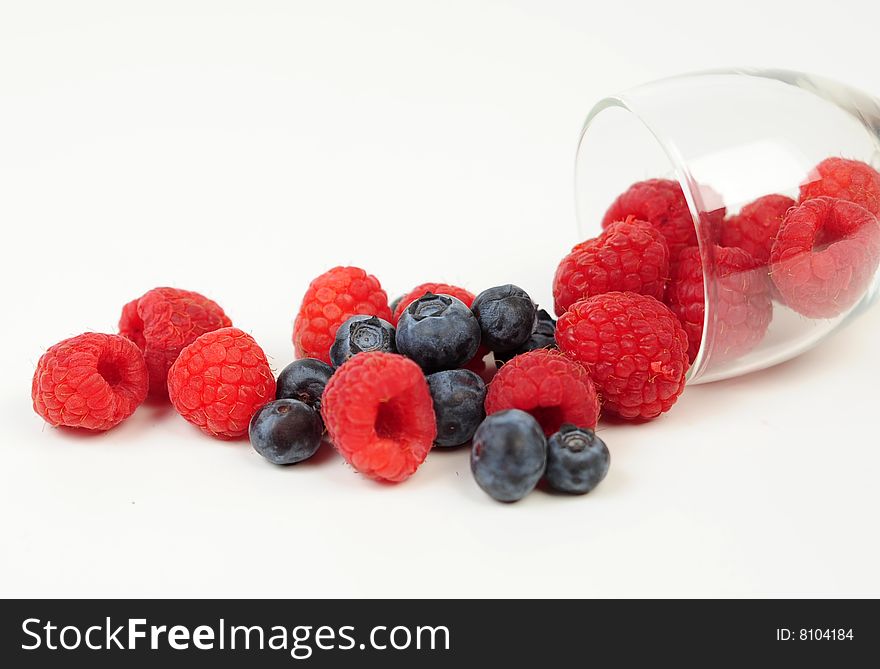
(241, 148)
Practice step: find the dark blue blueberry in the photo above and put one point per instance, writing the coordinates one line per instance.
(577, 460)
(438, 332)
(458, 396)
(286, 431)
(393, 305)
(509, 455)
(506, 315)
(543, 336)
(304, 380)
(362, 334)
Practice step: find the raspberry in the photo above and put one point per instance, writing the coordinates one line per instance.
(630, 255)
(163, 322)
(743, 308)
(661, 203)
(755, 227)
(634, 348)
(219, 381)
(465, 296)
(330, 300)
(93, 381)
(825, 256)
(548, 385)
(378, 410)
(850, 180)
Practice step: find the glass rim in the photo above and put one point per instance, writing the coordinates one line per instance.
(687, 183)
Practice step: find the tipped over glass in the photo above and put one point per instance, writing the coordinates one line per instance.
(729, 138)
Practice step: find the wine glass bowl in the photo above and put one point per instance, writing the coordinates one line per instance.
(746, 148)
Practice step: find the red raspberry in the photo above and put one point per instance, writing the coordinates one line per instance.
(634, 348)
(850, 180)
(465, 296)
(164, 321)
(743, 308)
(219, 381)
(754, 228)
(380, 416)
(550, 386)
(630, 255)
(93, 381)
(330, 300)
(825, 256)
(661, 203)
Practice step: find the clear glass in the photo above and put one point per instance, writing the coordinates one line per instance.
(729, 137)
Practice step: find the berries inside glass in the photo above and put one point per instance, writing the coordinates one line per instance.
(766, 188)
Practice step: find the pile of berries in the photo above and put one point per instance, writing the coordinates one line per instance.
(388, 391)
(385, 384)
(441, 367)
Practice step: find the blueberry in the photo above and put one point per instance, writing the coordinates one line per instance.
(395, 302)
(543, 336)
(361, 334)
(438, 332)
(509, 455)
(304, 380)
(458, 396)
(506, 315)
(286, 431)
(577, 460)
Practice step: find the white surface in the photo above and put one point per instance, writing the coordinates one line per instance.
(239, 149)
